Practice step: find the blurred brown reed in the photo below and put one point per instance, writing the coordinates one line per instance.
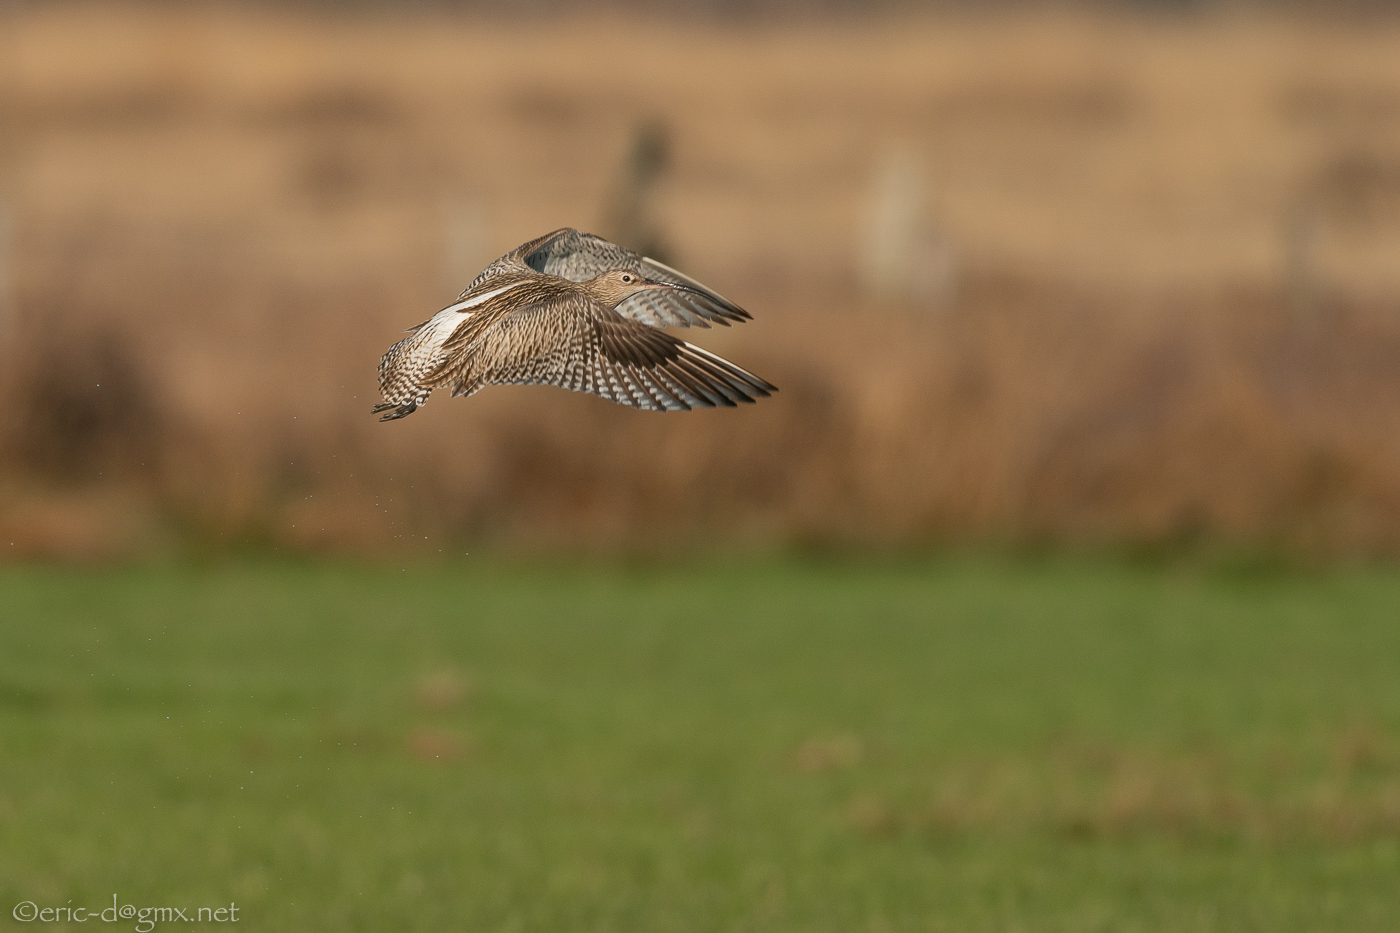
(1176, 316)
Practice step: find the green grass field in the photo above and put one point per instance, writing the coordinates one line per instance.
(957, 744)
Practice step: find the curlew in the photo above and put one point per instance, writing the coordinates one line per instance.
(571, 310)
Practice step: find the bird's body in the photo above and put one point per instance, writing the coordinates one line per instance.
(575, 311)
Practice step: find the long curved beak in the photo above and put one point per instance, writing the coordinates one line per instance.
(673, 286)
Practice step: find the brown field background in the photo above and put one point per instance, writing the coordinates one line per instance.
(1148, 290)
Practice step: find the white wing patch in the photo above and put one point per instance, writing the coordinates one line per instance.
(439, 327)
(475, 300)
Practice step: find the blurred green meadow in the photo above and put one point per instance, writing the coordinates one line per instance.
(956, 743)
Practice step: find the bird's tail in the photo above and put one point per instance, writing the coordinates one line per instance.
(400, 390)
(398, 411)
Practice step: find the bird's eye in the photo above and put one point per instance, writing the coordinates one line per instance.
(626, 278)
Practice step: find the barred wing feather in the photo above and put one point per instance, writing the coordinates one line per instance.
(579, 257)
(581, 345)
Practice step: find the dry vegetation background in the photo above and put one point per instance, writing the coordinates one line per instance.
(1148, 292)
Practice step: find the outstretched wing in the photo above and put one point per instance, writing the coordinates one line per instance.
(578, 344)
(579, 257)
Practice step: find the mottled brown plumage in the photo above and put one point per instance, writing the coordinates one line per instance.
(575, 311)
(579, 257)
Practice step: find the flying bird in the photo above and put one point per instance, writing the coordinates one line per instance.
(570, 309)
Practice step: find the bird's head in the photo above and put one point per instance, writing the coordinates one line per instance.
(617, 285)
